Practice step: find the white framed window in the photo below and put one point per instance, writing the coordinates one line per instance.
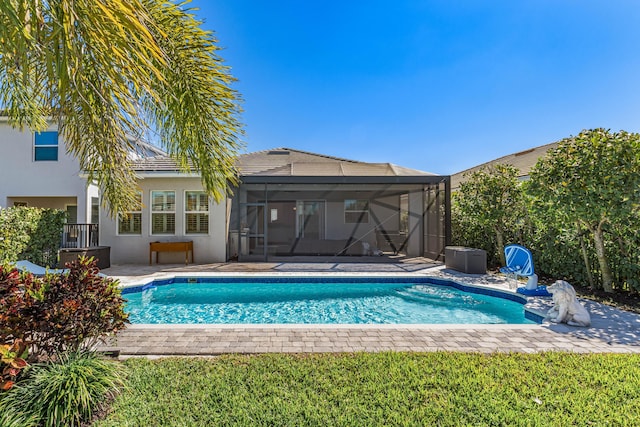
(356, 211)
(72, 213)
(45, 146)
(130, 223)
(163, 212)
(95, 209)
(196, 212)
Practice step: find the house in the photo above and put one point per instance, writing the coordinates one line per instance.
(524, 161)
(289, 203)
(37, 171)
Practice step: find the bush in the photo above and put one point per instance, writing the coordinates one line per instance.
(12, 362)
(30, 233)
(67, 392)
(20, 301)
(589, 184)
(489, 211)
(59, 312)
(15, 418)
(81, 307)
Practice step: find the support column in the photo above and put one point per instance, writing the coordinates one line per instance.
(414, 244)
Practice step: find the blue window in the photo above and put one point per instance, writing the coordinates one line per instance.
(45, 146)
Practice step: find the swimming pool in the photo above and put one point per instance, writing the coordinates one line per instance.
(295, 300)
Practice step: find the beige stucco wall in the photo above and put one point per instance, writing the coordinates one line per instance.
(384, 209)
(44, 202)
(134, 249)
(48, 184)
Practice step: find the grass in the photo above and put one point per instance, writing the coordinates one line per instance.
(390, 389)
(65, 392)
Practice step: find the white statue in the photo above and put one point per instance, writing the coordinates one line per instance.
(366, 249)
(566, 308)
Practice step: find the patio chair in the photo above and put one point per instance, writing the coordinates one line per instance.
(520, 263)
(36, 270)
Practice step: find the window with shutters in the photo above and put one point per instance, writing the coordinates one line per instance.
(130, 223)
(196, 212)
(163, 212)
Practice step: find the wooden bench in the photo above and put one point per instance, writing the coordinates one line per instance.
(158, 247)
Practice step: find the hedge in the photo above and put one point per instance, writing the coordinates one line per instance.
(30, 233)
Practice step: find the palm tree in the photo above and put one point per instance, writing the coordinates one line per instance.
(106, 70)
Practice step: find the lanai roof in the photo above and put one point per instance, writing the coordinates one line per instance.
(291, 162)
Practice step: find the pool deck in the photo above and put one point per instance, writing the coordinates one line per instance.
(612, 330)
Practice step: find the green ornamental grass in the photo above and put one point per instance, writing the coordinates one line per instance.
(62, 393)
(381, 389)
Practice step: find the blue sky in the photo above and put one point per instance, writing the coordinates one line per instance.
(435, 85)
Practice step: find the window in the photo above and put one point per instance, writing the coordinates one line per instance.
(163, 212)
(196, 212)
(95, 210)
(131, 222)
(356, 211)
(45, 146)
(72, 214)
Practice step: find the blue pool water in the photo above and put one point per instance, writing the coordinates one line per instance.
(326, 301)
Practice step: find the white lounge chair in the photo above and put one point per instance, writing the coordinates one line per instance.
(36, 270)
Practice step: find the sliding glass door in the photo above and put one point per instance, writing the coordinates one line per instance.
(310, 219)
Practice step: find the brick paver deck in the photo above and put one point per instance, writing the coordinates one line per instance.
(611, 331)
(140, 340)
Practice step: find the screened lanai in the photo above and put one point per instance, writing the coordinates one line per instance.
(293, 203)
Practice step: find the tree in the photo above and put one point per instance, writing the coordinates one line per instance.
(492, 199)
(106, 70)
(592, 182)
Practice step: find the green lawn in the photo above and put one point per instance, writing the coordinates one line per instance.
(390, 389)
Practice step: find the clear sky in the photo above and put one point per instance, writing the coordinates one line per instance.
(434, 85)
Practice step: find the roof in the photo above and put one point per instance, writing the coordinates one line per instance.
(291, 162)
(524, 161)
(142, 149)
(161, 163)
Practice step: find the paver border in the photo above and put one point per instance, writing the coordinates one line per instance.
(214, 339)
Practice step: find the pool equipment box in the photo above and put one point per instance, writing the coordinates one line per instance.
(465, 260)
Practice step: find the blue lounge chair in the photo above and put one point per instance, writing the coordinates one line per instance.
(520, 263)
(37, 270)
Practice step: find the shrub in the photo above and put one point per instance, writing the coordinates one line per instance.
(591, 184)
(20, 305)
(30, 233)
(60, 312)
(80, 307)
(67, 392)
(15, 418)
(12, 362)
(489, 211)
